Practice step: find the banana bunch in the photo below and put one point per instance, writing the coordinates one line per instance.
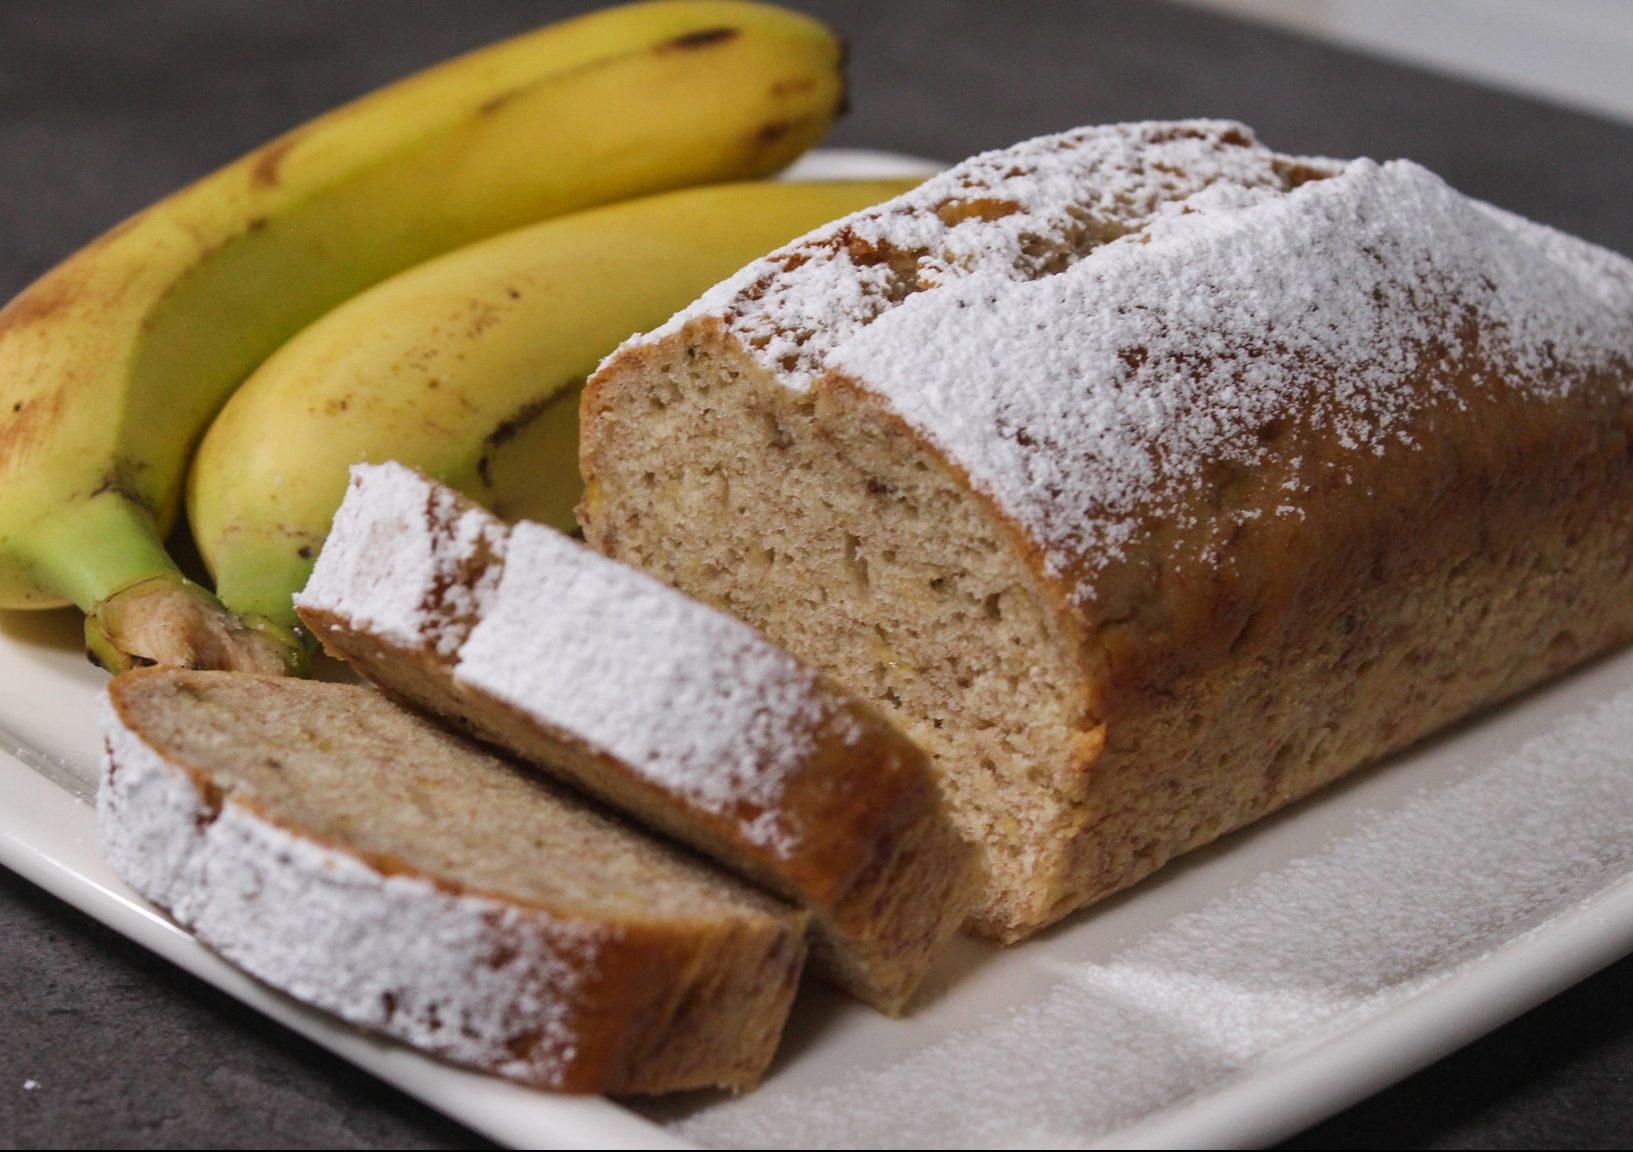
(468, 367)
(113, 364)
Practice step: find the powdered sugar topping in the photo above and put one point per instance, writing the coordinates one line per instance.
(444, 562)
(1086, 401)
(606, 657)
(476, 980)
(1087, 324)
(1017, 213)
(688, 697)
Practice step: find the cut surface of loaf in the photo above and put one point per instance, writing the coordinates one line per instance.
(687, 719)
(359, 858)
(1148, 478)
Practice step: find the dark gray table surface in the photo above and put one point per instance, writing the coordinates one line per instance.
(105, 107)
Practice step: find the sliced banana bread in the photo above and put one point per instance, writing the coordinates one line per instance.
(363, 860)
(1147, 477)
(669, 710)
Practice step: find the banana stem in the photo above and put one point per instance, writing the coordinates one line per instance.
(105, 555)
(93, 548)
(169, 620)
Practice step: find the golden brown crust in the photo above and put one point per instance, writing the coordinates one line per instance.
(709, 339)
(656, 1006)
(1235, 661)
(1440, 580)
(665, 1011)
(879, 866)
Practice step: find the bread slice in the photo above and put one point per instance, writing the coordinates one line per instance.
(689, 720)
(363, 860)
(1147, 477)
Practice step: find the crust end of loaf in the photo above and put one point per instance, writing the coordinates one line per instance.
(555, 1002)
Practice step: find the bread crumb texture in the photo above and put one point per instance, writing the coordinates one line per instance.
(1147, 477)
(680, 715)
(1533, 823)
(362, 860)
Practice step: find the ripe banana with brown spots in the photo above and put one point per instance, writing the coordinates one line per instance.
(468, 368)
(113, 364)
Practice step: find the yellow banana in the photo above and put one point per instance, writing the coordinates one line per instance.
(113, 364)
(467, 367)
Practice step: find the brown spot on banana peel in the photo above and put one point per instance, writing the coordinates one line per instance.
(42, 299)
(491, 105)
(121, 479)
(110, 483)
(482, 315)
(268, 161)
(772, 132)
(843, 106)
(28, 425)
(509, 427)
(702, 38)
(690, 42)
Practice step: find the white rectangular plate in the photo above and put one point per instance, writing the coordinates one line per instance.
(1240, 995)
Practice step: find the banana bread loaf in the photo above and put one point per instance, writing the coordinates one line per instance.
(359, 858)
(1146, 477)
(685, 718)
